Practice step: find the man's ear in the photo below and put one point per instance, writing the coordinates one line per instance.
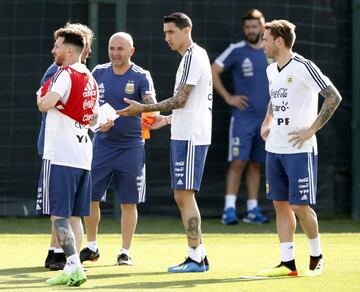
(132, 51)
(279, 41)
(187, 29)
(69, 50)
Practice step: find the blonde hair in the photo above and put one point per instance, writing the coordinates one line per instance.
(86, 31)
(284, 29)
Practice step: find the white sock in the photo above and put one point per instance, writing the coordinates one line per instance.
(58, 250)
(92, 245)
(124, 251)
(251, 204)
(230, 201)
(203, 251)
(287, 251)
(72, 263)
(195, 253)
(315, 247)
(51, 248)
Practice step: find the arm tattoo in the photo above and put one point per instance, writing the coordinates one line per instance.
(148, 99)
(193, 228)
(175, 102)
(332, 100)
(65, 236)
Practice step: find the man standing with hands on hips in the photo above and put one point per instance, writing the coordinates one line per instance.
(289, 130)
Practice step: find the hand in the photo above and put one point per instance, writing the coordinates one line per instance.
(238, 101)
(264, 132)
(107, 126)
(133, 109)
(299, 137)
(160, 121)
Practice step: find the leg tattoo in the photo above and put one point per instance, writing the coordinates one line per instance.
(193, 228)
(65, 236)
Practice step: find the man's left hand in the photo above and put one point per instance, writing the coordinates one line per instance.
(297, 138)
(134, 108)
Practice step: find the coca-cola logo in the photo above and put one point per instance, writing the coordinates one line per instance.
(280, 93)
(87, 118)
(88, 104)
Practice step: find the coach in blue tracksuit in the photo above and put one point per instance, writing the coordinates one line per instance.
(119, 153)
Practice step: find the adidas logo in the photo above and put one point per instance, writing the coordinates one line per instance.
(101, 90)
(89, 90)
(304, 197)
(180, 182)
(181, 267)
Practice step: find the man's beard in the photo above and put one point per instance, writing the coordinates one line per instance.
(253, 40)
(59, 60)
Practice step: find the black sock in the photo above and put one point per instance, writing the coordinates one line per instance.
(314, 261)
(290, 265)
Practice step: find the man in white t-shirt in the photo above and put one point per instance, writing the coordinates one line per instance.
(69, 98)
(191, 120)
(289, 130)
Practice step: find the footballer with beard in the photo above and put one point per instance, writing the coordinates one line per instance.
(246, 62)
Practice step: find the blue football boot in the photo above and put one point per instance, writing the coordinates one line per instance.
(255, 216)
(229, 217)
(188, 266)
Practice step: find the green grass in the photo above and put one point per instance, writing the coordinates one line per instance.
(235, 254)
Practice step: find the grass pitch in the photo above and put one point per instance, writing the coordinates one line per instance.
(235, 253)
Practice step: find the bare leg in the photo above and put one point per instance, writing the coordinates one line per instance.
(253, 175)
(92, 221)
(78, 229)
(54, 242)
(64, 235)
(233, 177)
(285, 221)
(129, 217)
(185, 200)
(308, 220)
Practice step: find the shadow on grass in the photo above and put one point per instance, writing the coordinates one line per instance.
(161, 225)
(179, 284)
(24, 283)
(19, 272)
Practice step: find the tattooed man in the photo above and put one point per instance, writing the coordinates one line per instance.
(70, 99)
(289, 130)
(190, 121)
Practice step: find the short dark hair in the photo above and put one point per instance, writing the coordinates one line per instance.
(71, 36)
(284, 29)
(181, 20)
(253, 14)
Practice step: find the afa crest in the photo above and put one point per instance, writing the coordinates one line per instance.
(235, 151)
(290, 79)
(130, 87)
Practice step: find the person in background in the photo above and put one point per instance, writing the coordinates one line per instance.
(247, 63)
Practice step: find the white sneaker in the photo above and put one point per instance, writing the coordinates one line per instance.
(318, 269)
